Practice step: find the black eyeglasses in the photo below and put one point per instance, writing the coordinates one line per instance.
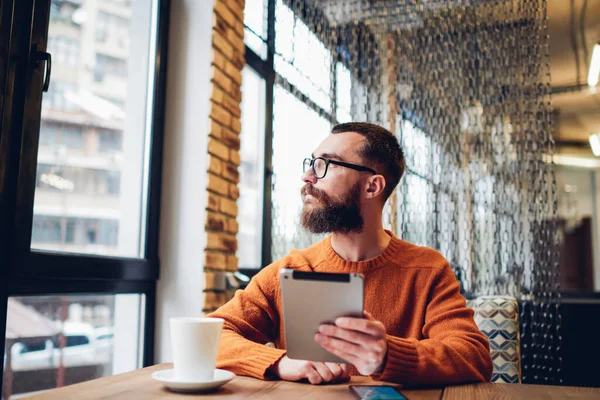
(320, 165)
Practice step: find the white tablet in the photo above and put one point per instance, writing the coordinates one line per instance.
(314, 298)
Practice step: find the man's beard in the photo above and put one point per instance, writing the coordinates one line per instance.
(332, 215)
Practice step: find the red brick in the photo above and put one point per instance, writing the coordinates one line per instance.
(232, 225)
(222, 44)
(238, 59)
(224, 82)
(225, 13)
(214, 201)
(233, 72)
(216, 222)
(215, 129)
(234, 191)
(220, 241)
(230, 172)
(235, 8)
(213, 259)
(232, 105)
(234, 157)
(236, 125)
(232, 263)
(214, 300)
(230, 139)
(215, 280)
(229, 207)
(220, 114)
(215, 165)
(217, 95)
(218, 185)
(219, 59)
(217, 149)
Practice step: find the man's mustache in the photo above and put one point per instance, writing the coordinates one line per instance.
(313, 191)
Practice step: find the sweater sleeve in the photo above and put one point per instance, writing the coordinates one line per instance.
(251, 321)
(453, 349)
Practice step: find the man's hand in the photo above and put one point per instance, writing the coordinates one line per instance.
(359, 341)
(316, 372)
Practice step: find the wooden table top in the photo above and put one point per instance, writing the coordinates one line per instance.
(140, 385)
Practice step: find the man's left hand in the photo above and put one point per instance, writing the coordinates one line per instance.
(360, 341)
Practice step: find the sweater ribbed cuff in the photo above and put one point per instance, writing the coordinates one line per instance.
(258, 363)
(401, 363)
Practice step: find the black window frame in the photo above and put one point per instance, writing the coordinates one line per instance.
(24, 271)
(265, 68)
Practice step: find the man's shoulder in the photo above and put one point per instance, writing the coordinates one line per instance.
(415, 256)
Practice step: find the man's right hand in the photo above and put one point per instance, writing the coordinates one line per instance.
(316, 372)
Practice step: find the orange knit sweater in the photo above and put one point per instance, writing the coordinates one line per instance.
(432, 338)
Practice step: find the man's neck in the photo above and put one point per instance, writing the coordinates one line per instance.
(361, 246)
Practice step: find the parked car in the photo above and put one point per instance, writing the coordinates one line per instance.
(84, 345)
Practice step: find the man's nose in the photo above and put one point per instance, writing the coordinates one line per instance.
(308, 176)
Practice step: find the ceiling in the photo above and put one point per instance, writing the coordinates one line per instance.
(577, 107)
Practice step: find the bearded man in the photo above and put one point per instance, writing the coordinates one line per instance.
(416, 328)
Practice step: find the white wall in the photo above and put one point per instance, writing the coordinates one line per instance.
(185, 157)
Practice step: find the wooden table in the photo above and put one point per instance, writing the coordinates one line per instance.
(140, 385)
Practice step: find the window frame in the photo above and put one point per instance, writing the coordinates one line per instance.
(26, 271)
(266, 69)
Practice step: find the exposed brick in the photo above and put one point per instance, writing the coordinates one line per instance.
(217, 95)
(232, 225)
(232, 263)
(230, 172)
(222, 44)
(230, 139)
(221, 241)
(216, 129)
(234, 191)
(223, 11)
(229, 207)
(215, 280)
(220, 114)
(233, 72)
(238, 59)
(213, 259)
(221, 26)
(235, 8)
(214, 201)
(217, 148)
(234, 157)
(239, 28)
(214, 300)
(224, 82)
(215, 165)
(234, 40)
(219, 59)
(236, 125)
(216, 222)
(234, 90)
(218, 185)
(232, 106)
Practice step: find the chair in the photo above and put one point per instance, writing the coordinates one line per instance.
(498, 318)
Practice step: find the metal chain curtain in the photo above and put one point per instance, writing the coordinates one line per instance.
(465, 87)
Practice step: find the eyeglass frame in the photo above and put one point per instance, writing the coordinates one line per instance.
(311, 164)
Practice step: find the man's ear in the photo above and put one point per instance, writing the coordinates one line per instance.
(375, 186)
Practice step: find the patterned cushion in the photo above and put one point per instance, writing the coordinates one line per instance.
(498, 319)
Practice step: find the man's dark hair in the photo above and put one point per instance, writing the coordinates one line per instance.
(381, 150)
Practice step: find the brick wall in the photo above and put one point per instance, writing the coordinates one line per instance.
(223, 150)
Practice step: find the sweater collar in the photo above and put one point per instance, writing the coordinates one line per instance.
(331, 261)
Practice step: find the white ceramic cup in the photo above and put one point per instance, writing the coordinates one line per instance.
(195, 344)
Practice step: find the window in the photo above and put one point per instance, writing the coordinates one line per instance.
(307, 89)
(84, 220)
(255, 26)
(250, 203)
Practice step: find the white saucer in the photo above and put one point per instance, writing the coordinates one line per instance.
(167, 378)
